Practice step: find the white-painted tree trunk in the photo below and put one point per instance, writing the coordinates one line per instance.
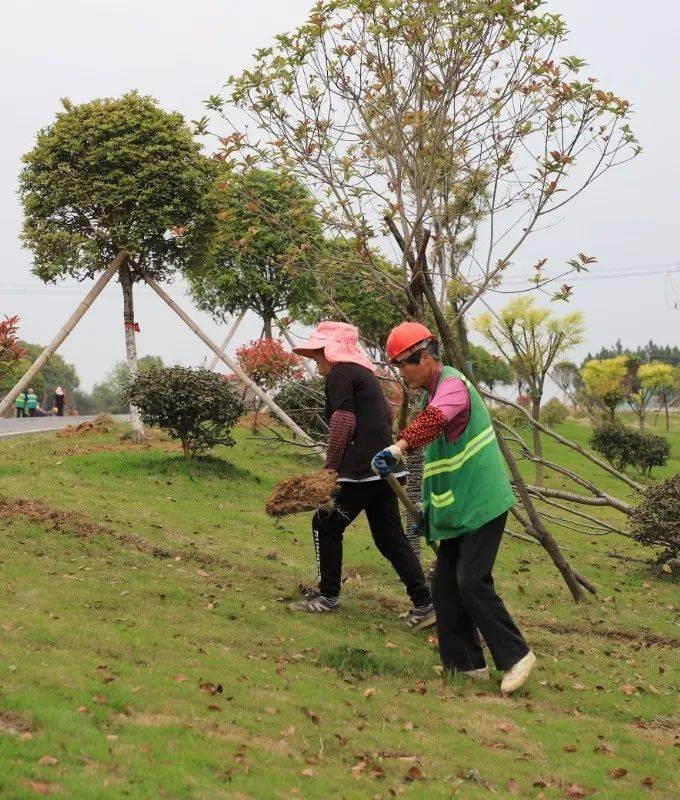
(130, 343)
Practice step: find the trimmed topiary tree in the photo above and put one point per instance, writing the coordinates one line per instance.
(196, 406)
(656, 521)
(624, 447)
(108, 177)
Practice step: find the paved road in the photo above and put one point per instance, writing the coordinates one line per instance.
(17, 427)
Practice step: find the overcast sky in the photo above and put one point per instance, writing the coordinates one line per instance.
(181, 52)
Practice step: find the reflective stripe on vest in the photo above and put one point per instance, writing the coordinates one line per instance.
(456, 462)
(441, 500)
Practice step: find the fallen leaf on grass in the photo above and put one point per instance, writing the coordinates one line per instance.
(603, 749)
(648, 782)
(44, 789)
(311, 715)
(308, 773)
(99, 699)
(617, 772)
(369, 692)
(506, 727)
(513, 787)
(628, 689)
(415, 773)
(213, 708)
(180, 678)
(390, 645)
(210, 688)
(578, 686)
(82, 710)
(202, 573)
(48, 761)
(575, 790)
(570, 748)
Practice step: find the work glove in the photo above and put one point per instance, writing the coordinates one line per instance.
(386, 460)
(417, 528)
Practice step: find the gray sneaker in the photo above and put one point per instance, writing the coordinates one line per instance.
(316, 603)
(421, 617)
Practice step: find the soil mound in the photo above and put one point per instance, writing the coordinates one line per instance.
(303, 493)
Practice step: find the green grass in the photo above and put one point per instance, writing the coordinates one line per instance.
(167, 577)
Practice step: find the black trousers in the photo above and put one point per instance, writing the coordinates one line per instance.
(466, 602)
(382, 511)
(21, 412)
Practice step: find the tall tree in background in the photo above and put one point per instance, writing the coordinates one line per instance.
(566, 376)
(346, 286)
(488, 369)
(531, 339)
(649, 380)
(112, 176)
(262, 242)
(605, 382)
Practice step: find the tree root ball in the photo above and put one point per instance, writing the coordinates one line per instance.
(303, 493)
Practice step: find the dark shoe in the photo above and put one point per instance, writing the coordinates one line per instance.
(316, 603)
(421, 617)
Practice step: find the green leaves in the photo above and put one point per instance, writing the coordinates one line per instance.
(108, 175)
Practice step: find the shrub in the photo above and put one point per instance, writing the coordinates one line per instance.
(625, 447)
(656, 521)
(304, 402)
(196, 406)
(553, 412)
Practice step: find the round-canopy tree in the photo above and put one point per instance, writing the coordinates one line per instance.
(112, 176)
(261, 242)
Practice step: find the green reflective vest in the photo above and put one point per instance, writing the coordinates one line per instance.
(31, 401)
(464, 482)
(20, 401)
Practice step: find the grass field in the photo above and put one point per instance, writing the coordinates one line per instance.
(146, 650)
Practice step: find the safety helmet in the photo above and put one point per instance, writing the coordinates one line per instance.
(405, 336)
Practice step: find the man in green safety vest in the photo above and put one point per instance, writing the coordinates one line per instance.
(20, 404)
(31, 402)
(466, 498)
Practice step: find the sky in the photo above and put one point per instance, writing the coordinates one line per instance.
(181, 53)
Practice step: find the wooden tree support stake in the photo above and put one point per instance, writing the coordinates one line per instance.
(228, 338)
(69, 325)
(266, 398)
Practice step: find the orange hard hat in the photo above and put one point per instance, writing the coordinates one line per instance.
(404, 336)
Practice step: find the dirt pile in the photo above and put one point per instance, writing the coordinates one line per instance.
(104, 423)
(303, 493)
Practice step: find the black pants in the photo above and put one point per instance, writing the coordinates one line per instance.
(382, 511)
(21, 412)
(31, 412)
(466, 602)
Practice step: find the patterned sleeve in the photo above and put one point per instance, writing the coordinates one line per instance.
(341, 430)
(425, 428)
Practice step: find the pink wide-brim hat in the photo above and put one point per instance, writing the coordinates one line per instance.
(339, 342)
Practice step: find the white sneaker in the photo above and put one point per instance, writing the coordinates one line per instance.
(514, 677)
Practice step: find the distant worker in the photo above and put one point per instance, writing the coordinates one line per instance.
(59, 400)
(31, 402)
(20, 404)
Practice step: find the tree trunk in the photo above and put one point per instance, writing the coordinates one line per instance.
(258, 406)
(186, 450)
(665, 409)
(267, 321)
(538, 450)
(641, 419)
(130, 343)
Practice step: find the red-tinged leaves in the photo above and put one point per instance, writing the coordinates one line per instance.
(415, 773)
(617, 772)
(628, 689)
(648, 782)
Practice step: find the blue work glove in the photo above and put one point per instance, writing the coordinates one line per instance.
(386, 461)
(417, 528)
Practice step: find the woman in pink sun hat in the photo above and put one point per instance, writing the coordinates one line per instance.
(360, 420)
